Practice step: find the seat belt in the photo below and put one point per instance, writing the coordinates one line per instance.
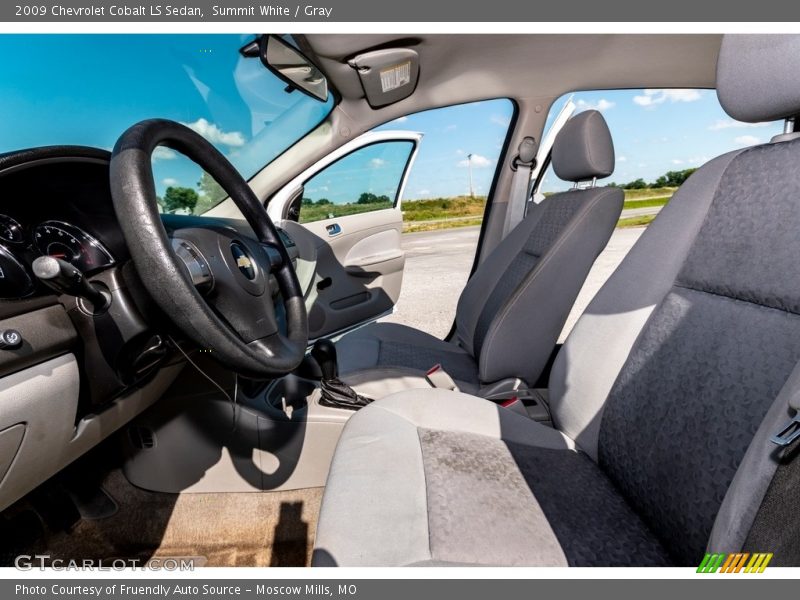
(522, 165)
(791, 431)
(776, 524)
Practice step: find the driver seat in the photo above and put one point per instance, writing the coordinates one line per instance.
(664, 397)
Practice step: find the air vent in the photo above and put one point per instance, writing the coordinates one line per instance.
(142, 438)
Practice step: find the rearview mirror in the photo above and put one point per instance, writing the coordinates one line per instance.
(288, 63)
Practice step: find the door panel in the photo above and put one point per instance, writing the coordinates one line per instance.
(359, 271)
(344, 214)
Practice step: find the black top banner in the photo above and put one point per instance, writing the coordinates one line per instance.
(464, 11)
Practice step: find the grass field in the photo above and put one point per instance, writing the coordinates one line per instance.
(650, 202)
(636, 221)
(649, 193)
(463, 211)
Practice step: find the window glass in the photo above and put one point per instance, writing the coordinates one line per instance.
(661, 136)
(456, 164)
(102, 84)
(365, 180)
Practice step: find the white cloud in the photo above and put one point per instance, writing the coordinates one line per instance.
(478, 162)
(676, 161)
(501, 121)
(450, 128)
(600, 105)
(424, 192)
(170, 181)
(164, 153)
(747, 140)
(622, 159)
(400, 120)
(215, 135)
(376, 163)
(653, 97)
(731, 124)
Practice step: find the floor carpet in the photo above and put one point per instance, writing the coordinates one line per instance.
(218, 529)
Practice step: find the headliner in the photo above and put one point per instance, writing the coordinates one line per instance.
(456, 68)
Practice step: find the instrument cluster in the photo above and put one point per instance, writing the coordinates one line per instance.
(20, 245)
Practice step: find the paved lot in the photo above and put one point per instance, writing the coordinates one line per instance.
(438, 264)
(437, 267)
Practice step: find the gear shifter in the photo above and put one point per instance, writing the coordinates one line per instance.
(324, 352)
(335, 392)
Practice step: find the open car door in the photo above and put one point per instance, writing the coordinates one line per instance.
(546, 148)
(344, 213)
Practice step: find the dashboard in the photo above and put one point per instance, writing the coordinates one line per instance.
(69, 375)
(61, 209)
(56, 201)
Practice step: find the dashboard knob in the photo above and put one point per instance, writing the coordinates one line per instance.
(10, 338)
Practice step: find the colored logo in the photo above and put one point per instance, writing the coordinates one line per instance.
(243, 261)
(740, 562)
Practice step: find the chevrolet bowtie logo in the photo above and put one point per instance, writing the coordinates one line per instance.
(243, 261)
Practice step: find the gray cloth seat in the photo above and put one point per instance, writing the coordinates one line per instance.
(465, 482)
(664, 397)
(520, 296)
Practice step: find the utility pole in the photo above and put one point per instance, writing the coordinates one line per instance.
(469, 166)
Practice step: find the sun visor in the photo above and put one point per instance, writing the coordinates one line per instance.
(387, 76)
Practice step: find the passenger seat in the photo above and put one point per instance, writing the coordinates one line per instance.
(513, 309)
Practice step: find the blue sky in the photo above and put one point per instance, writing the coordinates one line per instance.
(656, 131)
(451, 134)
(87, 89)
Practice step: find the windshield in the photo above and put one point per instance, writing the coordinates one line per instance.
(88, 89)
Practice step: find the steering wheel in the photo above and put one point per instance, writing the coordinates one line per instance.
(213, 282)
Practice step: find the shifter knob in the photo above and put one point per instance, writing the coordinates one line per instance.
(324, 352)
(68, 279)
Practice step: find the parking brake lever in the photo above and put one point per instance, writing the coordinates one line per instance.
(68, 279)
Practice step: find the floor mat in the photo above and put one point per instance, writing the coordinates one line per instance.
(222, 529)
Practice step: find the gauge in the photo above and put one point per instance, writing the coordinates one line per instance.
(14, 279)
(10, 230)
(69, 243)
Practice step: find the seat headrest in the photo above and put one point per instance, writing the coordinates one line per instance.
(757, 76)
(583, 148)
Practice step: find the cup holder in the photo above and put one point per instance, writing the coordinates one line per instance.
(289, 395)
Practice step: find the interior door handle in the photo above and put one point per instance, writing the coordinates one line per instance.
(333, 229)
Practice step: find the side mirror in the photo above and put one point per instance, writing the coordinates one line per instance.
(289, 64)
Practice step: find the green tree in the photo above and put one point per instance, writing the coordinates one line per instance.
(637, 184)
(367, 198)
(676, 178)
(323, 202)
(209, 188)
(211, 193)
(180, 198)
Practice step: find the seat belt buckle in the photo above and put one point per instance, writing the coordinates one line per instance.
(514, 404)
(438, 378)
(789, 433)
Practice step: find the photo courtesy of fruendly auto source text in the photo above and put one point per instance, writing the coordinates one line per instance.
(370, 300)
